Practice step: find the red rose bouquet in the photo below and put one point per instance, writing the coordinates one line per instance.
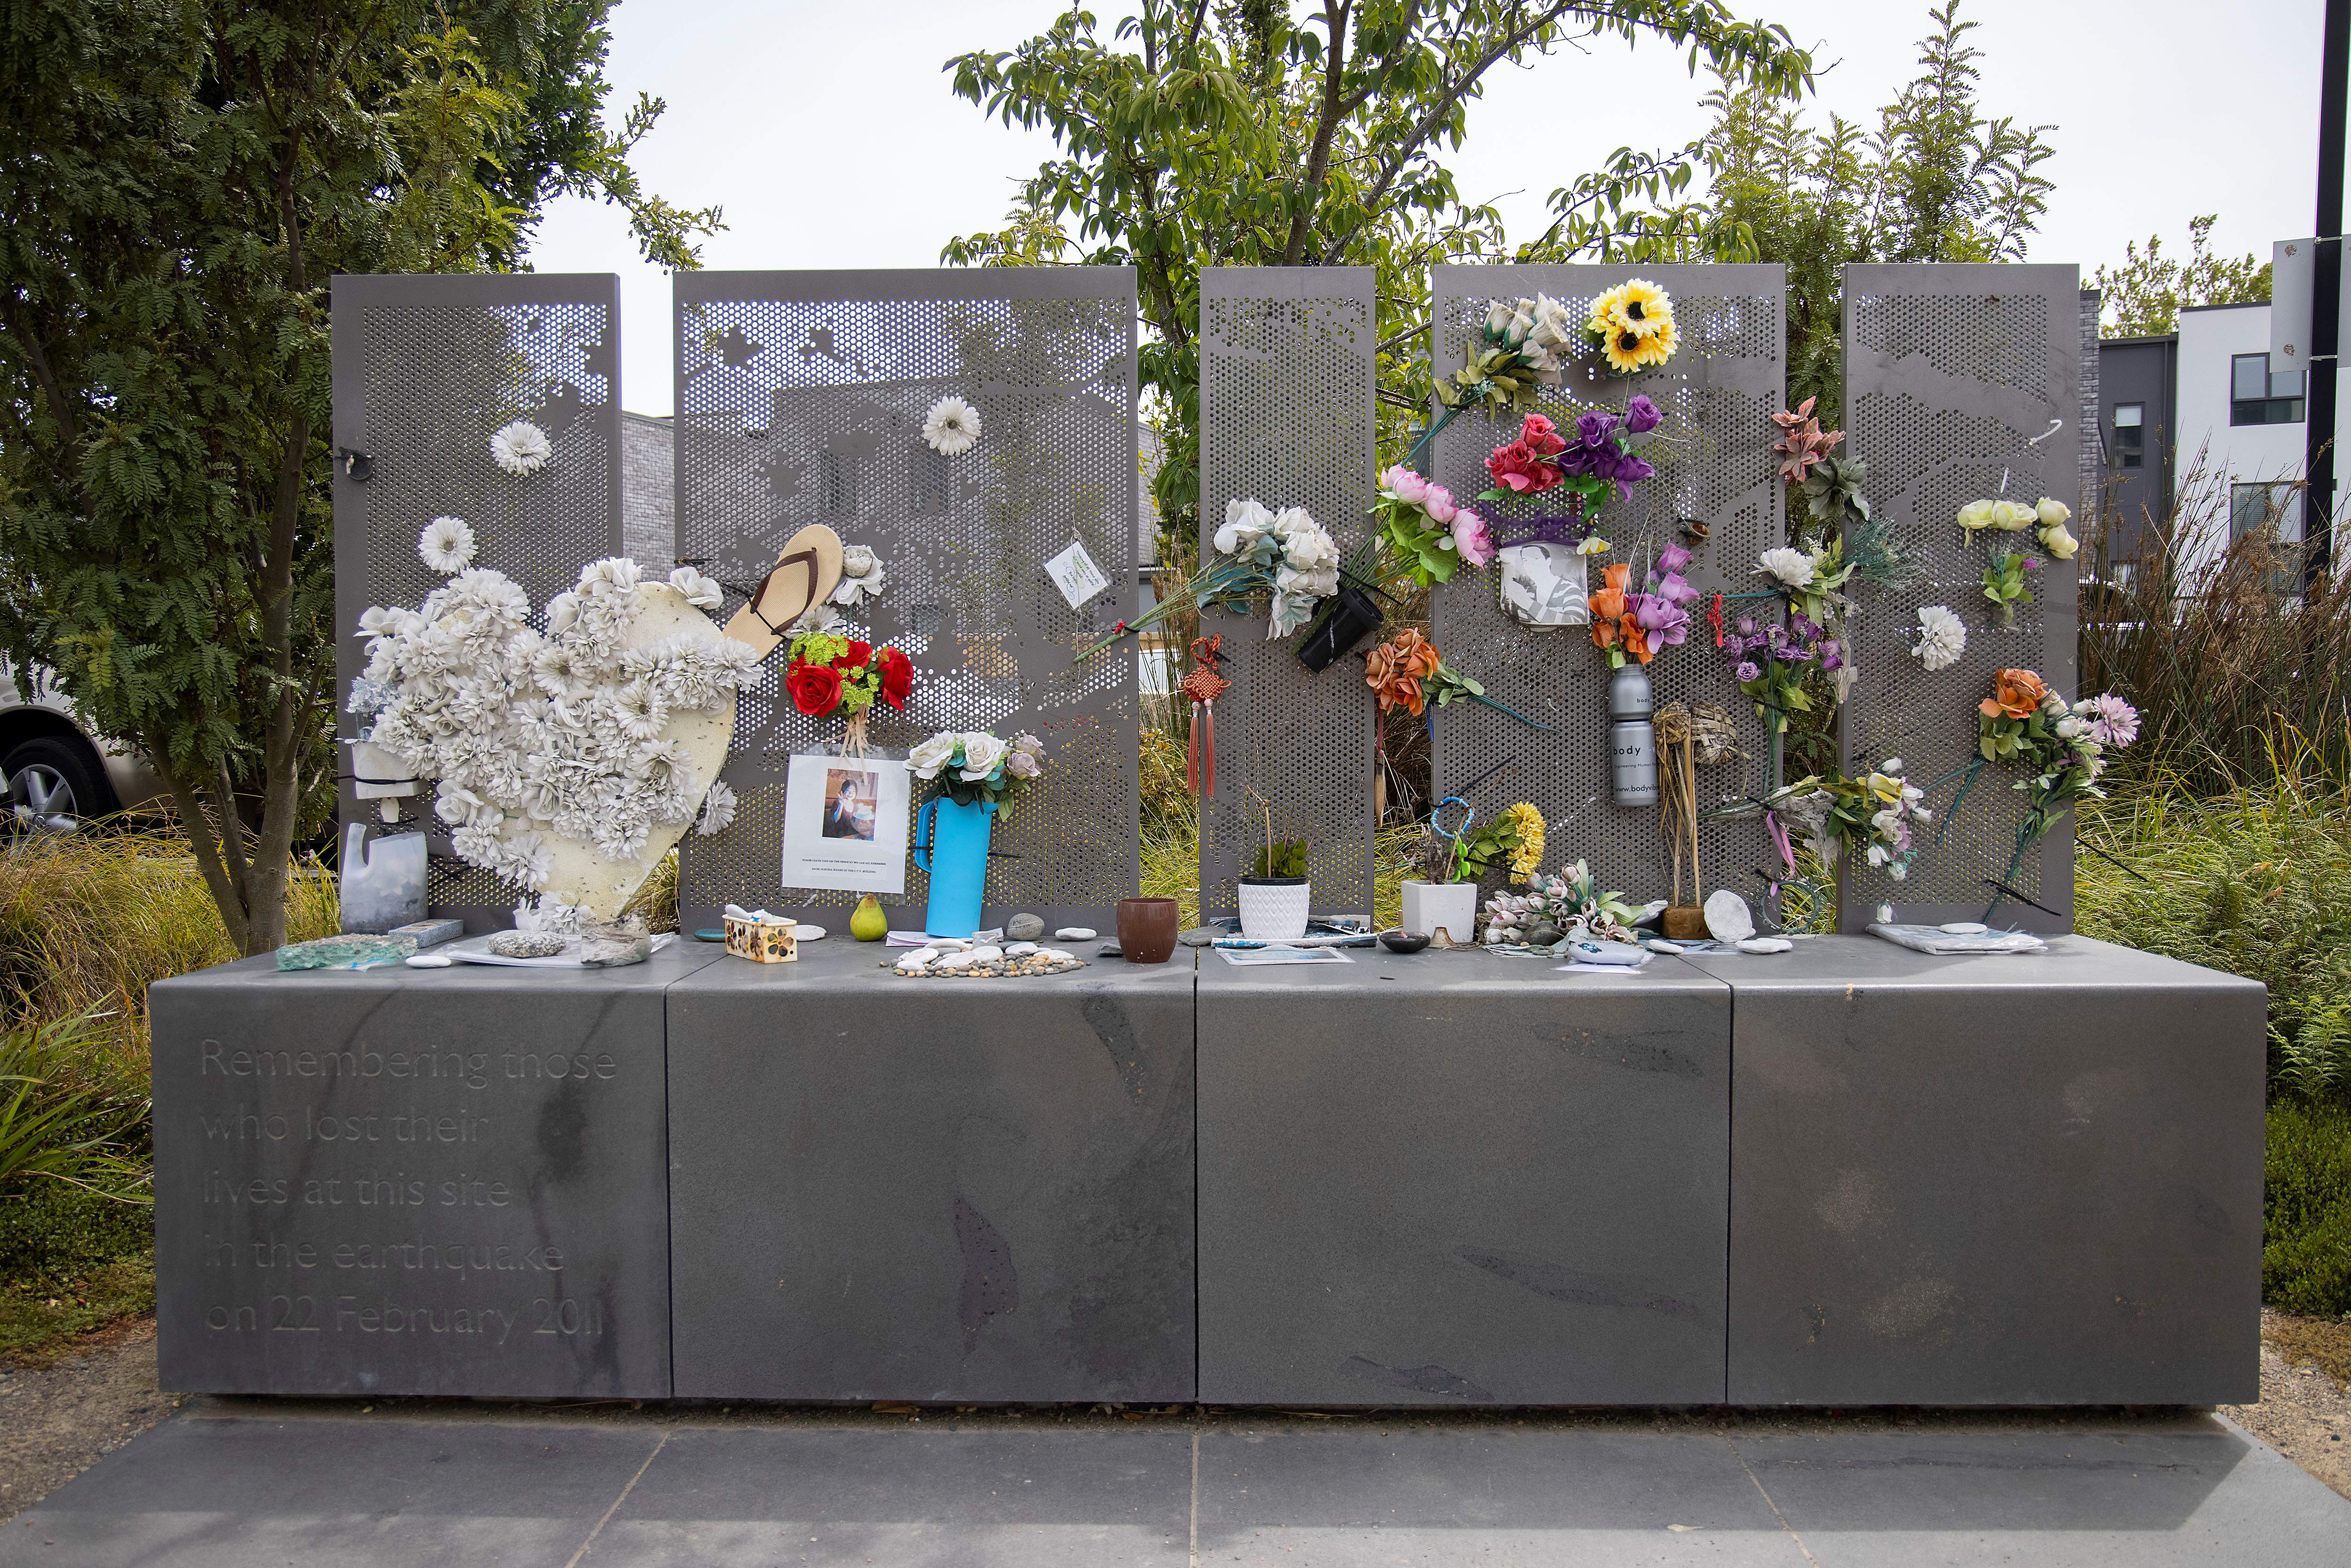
(829, 674)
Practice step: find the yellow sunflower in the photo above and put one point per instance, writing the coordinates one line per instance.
(1641, 308)
(1525, 859)
(1624, 350)
(1659, 346)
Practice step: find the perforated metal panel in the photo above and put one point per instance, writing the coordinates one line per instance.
(1286, 419)
(800, 399)
(426, 369)
(1961, 383)
(1714, 463)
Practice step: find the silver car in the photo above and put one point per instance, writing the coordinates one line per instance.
(59, 775)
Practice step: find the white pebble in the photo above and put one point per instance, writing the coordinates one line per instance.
(920, 958)
(1074, 933)
(1963, 928)
(988, 954)
(949, 944)
(1765, 945)
(1659, 944)
(808, 933)
(955, 961)
(1018, 949)
(1056, 954)
(430, 961)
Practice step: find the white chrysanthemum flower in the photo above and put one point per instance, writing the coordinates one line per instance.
(1791, 567)
(529, 859)
(521, 448)
(701, 592)
(717, 808)
(951, 427)
(612, 573)
(446, 545)
(1942, 637)
(642, 711)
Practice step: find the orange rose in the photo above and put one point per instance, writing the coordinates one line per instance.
(1393, 674)
(1415, 654)
(1637, 641)
(2015, 694)
(1609, 619)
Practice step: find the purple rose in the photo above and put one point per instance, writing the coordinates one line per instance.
(1747, 626)
(1667, 623)
(1641, 416)
(1802, 628)
(1672, 558)
(1594, 428)
(1629, 468)
(1831, 654)
(1578, 462)
(1747, 672)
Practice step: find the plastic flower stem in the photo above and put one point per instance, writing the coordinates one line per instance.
(1972, 768)
(1209, 583)
(1412, 458)
(1514, 713)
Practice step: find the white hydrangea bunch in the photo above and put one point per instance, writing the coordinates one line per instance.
(536, 735)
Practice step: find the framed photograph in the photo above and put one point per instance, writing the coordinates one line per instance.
(845, 824)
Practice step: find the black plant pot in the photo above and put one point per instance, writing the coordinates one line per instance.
(1349, 617)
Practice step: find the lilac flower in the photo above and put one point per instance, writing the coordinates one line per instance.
(1832, 656)
(1641, 416)
(1672, 558)
(1667, 623)
(1746, 625)
(2113, 721)
(1747, 671)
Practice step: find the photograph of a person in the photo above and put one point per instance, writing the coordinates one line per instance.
(852, 796)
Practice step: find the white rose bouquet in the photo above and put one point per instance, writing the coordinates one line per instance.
(971, 765)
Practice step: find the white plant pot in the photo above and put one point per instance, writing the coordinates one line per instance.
(1453, 906)
(1273, 909)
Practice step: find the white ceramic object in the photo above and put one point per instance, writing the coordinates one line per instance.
(1452, 906)
(987, 954)
(803, 931)
(1274, 911)
(1074, 933)
(1728, 918)
(429, 961)
(1764, 945)
(1018, 949)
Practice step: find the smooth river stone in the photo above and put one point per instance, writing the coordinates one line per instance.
(1025, 928)
(1728, 918)
(1074, 933)
(987, 954)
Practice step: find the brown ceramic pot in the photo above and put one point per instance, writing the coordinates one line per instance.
(1147, 929)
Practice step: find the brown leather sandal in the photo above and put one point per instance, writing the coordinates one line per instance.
(806, 573)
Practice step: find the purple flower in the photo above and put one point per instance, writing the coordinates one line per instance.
(1747, 626)
(1747, 672)
(1667, 623)
(1594, 428)
(1641, 416)
(1832, 656)
(1672, 558)
(1802, 628)
(1628, 469)
(2113, 721)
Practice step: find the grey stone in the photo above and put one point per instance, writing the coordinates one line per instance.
(526, 944)
(1472, 1181)
(410, 1181)
(1024, 927)
(1074, 933)
(2018, 1179)
(977, 1190)
(1199, 936)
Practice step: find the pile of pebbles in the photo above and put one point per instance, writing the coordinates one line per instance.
(954, 958)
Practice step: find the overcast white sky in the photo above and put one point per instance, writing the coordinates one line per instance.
(829, 134)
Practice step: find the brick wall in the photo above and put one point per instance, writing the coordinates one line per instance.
(648, 493)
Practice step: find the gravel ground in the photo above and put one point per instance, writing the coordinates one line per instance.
(55, 1424)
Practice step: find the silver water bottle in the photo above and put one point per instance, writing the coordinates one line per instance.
(1632, 737)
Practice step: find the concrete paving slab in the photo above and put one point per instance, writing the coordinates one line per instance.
(235, 1492)
(1017, 1497)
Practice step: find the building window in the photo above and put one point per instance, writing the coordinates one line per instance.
(2271, 506)
(2259, 395)
(2130, 434)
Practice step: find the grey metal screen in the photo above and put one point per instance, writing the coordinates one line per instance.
(1714, 463)
(1286, 419)
(800, 399)
(1961, 384)
(426, 369)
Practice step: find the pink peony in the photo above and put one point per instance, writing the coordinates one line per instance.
(1438, 503)
(1471, 537)
(1404, 484)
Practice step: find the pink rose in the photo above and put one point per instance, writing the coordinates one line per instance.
(1520, 468)
(1404, 484)
(1541, 436)
(1439, 502)
(1471, 537)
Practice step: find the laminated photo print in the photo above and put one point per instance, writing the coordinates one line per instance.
(845, 823)
(1543, 584)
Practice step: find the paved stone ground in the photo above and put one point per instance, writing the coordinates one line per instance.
(246, 1482)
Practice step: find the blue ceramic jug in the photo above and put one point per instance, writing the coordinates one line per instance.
(951, 843)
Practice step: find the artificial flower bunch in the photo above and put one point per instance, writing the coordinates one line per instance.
(1427, 532)
(2005, 585)
(1769, 663)
(2064, 744)
(1633, 326)
(1640, 625)
(1942, 637)
(2046, 517)
(1813, 581)
(1597, 463)
(1521, 344)
(561, 733)
(1570, 902)
(1873, 815)
(1406, 672)
(828, 673)
(972, 766)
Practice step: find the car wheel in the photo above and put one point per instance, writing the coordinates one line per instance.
(53, 785)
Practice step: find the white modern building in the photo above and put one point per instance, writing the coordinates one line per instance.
(2203, 420)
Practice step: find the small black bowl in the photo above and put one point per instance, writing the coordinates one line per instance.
(1403, 940)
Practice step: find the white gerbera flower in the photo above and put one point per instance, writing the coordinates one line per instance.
(521, 448)
(701, 592)
(642, 711)
(717, 808)
(1942, 637)
(446, 545)
(951, 426)
(1791, 567)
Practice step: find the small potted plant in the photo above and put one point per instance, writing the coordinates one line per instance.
(1275, 896)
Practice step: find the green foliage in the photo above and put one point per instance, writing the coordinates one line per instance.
(61, 1123)
(2306, 1210)
(183, 179)
(1247, 134)
(51, 1234)
(1938, 180)
(1285, 857)
(2144, 297)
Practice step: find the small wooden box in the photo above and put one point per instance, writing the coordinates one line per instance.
(762, 943)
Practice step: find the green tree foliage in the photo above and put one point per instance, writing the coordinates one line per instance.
(179, 180)
(1938, 180)
(2144, 295)
(1237, 133)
